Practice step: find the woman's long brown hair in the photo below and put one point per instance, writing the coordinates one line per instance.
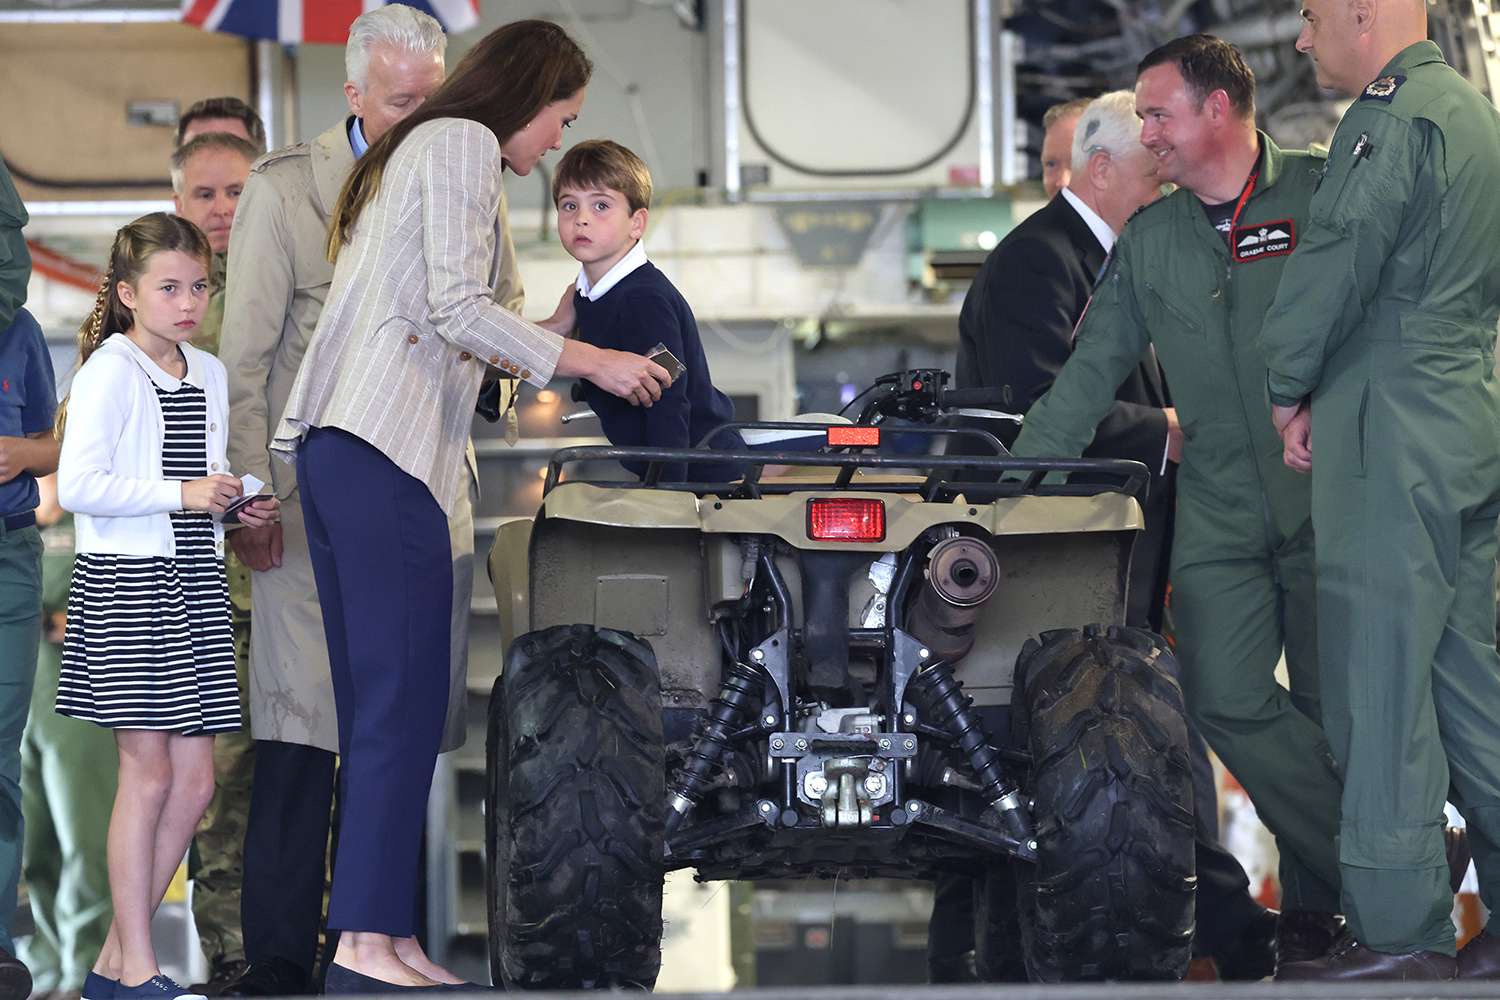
(502, 83)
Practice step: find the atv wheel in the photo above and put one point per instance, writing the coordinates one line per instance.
(574, 812)
(1112, 893)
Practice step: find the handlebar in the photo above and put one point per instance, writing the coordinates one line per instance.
(922, 395)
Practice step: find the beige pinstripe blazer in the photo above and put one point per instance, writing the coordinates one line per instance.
(410, 320)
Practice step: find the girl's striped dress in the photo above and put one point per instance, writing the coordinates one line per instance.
(149, 643)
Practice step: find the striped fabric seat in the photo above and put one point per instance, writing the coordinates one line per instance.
(149, 643)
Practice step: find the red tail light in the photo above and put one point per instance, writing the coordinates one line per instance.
(845, 519)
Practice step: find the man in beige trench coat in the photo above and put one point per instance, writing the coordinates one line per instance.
(276, 289)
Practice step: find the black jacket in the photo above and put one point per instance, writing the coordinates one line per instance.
(1016, 330)
(1015, 333)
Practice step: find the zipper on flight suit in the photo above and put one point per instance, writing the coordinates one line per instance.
(1174, 310)
(1265, 507)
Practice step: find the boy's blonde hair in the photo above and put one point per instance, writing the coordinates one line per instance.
(600, 164)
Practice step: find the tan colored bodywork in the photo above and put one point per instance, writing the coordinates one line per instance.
(656, 562)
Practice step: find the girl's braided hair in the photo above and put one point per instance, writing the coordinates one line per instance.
(128, 257)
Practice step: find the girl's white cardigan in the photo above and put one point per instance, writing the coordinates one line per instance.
(109, 473)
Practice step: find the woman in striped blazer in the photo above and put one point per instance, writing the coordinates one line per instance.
(376, 422)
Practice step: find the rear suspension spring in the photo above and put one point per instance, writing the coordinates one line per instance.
(941, 698)
(742, 684)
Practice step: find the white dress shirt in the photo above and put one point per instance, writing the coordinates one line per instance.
(1097, 226)
(632, 260)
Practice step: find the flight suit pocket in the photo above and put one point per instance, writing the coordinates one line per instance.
(1418, 330)
(1166, 309)
(1329, 193)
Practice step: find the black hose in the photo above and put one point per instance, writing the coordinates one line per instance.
(70, 185)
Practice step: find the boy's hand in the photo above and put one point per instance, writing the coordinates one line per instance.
(564, 319)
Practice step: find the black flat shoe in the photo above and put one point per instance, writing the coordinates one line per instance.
(340, 980)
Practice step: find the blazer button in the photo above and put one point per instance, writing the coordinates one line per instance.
(525, 373)
(495, 360)
(412, 339)
(514, 368)
(213, 427)
(213, 467)
(466, 356)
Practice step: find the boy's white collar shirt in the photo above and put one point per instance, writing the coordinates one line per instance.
(632, 260)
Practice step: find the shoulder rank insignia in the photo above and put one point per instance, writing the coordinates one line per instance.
(1383, 89)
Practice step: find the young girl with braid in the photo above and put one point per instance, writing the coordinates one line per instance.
(148, 650)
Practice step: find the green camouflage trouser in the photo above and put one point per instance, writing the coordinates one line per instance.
(219, 844)
(68, 771)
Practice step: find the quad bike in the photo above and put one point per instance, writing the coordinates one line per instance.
(759, 679)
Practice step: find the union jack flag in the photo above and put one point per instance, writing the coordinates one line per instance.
(294, 21)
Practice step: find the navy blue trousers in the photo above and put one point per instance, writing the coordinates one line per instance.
(381, 558)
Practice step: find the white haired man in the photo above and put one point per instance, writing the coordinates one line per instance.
(277, 285)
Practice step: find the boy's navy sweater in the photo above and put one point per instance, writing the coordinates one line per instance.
(642, 310)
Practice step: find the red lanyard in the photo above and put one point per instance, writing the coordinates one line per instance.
(1234, 220)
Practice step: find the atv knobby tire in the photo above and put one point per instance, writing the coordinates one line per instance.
(574, 812)
(1112, 893)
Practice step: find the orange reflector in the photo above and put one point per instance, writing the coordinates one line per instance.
(853, 437)
(845, 519)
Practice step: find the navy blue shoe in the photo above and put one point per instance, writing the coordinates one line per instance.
(339, 980)
(15, 978)
(158, 987)
(97, 987)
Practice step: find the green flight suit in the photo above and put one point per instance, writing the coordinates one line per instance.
(219, 844)
(68, 773)
(15, 259)
(1387, 322)
(1242, 574)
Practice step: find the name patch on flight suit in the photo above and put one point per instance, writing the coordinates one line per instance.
(1264, 239)
(1383, 89)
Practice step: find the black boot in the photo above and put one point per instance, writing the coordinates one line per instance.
(1306, 935)
(1252, 956)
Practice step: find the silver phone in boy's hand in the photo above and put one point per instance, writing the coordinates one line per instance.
(667, 360)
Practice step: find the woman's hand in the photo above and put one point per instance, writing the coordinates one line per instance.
(564, 319)
(619, 373)
(211, 493)
(631, 376)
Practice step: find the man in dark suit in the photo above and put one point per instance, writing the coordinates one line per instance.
(1015, 333)
(1016, 327)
